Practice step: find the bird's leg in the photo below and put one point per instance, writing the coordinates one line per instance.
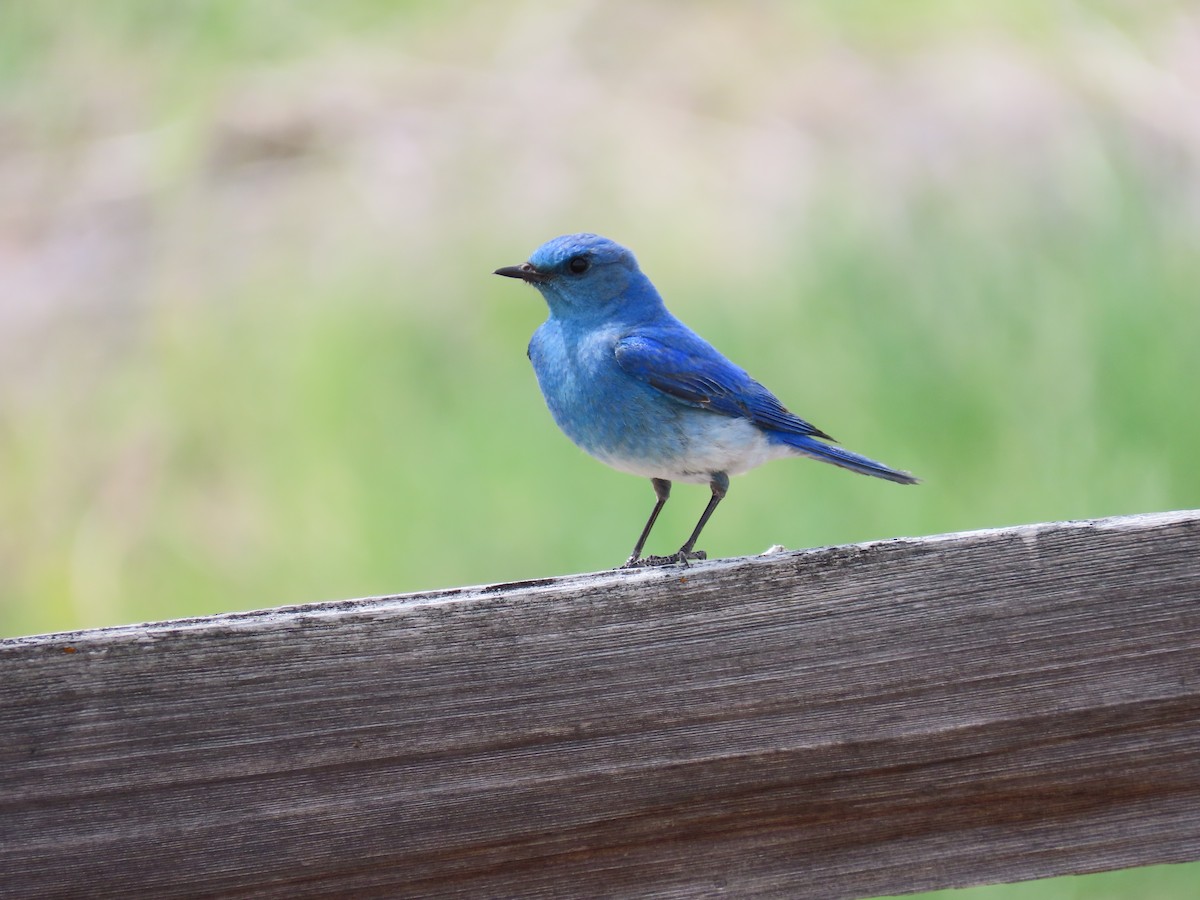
(662, 490)
(720, 487)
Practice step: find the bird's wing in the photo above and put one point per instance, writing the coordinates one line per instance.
(689, 370)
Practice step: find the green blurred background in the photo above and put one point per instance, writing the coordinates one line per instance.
(251, 352)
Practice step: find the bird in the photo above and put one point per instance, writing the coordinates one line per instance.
(634, 387)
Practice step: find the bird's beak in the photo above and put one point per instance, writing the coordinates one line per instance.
(525, 271)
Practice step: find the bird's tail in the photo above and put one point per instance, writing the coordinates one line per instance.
(809, 446)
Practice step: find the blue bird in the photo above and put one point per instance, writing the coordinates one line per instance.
(639, 390)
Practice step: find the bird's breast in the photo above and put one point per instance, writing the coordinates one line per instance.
(590, 397)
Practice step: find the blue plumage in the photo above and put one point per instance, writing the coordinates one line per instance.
(639, 390)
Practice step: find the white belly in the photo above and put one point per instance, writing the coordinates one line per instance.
(716, 444)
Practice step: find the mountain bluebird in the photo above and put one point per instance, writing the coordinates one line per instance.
(639, 390)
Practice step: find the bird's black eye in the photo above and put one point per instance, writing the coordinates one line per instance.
(577, 265)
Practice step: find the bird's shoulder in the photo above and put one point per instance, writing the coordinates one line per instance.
(672, 350)
(685, 367)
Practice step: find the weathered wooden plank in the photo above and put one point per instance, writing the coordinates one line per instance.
(881, 718)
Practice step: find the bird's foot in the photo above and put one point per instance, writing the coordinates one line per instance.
(675, 559)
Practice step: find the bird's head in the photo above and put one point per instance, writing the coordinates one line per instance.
(584, 275)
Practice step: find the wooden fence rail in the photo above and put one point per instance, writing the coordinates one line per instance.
(872, 719)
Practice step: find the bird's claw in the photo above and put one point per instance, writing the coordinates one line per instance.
(681, 558)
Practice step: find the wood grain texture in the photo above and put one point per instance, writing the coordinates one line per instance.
(860, 720)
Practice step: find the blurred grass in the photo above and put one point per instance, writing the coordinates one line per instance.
(1149, 883)
(307, 438)
(251, 353)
